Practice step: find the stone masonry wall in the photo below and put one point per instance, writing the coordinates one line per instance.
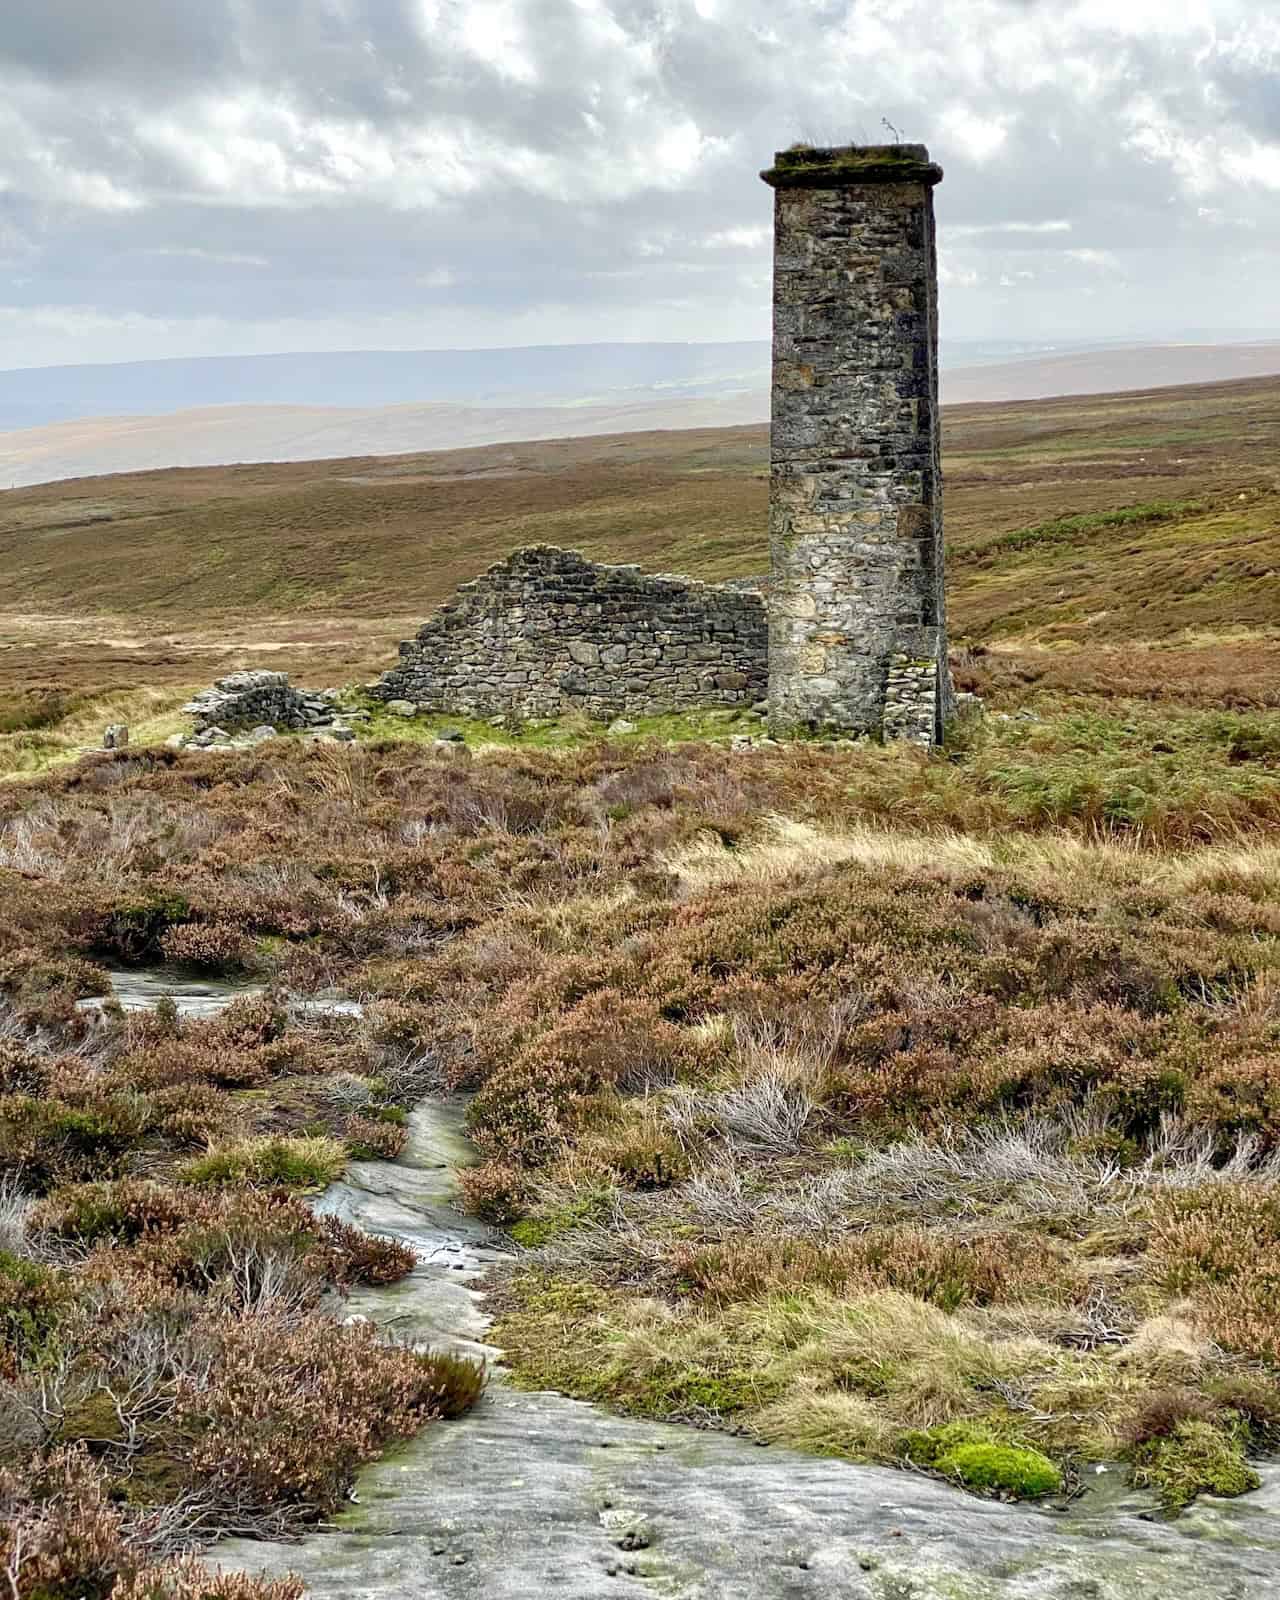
(855, 499)
(547, 631)
(257, 699)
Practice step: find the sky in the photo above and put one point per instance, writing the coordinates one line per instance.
(245, 176)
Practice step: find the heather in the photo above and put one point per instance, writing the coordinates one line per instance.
(911, 1108)
(174, 1361)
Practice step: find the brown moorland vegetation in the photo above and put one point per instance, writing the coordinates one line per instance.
(171, 1365)
(904, 1107)
(911, 1108)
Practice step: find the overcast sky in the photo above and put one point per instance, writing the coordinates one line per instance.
(185, 177)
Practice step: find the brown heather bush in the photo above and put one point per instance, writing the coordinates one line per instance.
(184, 1237)
(1160, 1412)
(293, 1408)
(1220, 1243)
(495, 1191)
(209, 947)
(607, 1041)
(940, 1267)
(371, 1139)
(63, 1538)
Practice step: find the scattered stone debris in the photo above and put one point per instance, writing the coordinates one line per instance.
(246, 708)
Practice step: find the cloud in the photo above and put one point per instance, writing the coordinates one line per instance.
(473, 171)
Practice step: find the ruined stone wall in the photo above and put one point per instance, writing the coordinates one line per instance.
(855, 497)
(547, 631)
(249, 700)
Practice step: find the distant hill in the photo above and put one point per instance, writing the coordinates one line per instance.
(536, 375)
(219, 435)
(1110, 369)
(211, 411)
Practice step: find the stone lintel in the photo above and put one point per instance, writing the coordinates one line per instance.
(806, 166)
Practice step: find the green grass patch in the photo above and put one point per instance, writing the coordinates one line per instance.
(1076, 529)
(304, 1163)
(569, 731)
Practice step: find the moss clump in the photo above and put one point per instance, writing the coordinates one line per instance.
(1004, 1468)
(538, 1230)
(980, 1460)
(1196, 1458)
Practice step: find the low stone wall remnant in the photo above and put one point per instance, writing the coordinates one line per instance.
(245, 700)
(547, 631)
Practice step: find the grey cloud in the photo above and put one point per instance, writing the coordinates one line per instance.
(513, 160)
(76, 42)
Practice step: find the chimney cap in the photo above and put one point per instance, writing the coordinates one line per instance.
(806, 166)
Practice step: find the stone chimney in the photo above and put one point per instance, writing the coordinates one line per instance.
(857, 640)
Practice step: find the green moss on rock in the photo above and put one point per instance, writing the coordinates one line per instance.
(980, 1460)
(1196, 1458)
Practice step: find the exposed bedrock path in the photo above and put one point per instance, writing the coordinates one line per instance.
(533, 1495)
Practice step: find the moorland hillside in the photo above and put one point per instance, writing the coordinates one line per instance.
(916, 1108)
(1077, 529)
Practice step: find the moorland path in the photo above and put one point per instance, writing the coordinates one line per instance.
(535, 1495)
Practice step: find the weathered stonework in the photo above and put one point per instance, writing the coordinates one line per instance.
(855, 518)
(251, 699)
(547, 631)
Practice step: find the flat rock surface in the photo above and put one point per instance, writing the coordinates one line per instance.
(534, 1494)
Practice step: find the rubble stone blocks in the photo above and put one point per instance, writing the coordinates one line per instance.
(253, 700)
(857, 641)
(547, 631)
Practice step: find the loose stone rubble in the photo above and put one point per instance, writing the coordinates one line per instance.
(248, 707)
(244, 700)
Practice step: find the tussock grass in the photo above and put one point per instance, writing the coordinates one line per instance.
(295, 1163)
(151, 713)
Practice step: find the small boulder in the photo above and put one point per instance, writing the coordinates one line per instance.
(116, 736)
(450, 736)
(401, 708)
(621, 725)
(342, 733)
(260, 734)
